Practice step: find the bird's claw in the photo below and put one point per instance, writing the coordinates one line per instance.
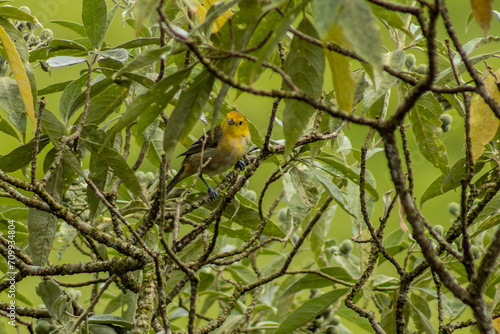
(241, 165)
(212, 193)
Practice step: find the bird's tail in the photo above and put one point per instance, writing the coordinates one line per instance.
(179, 176)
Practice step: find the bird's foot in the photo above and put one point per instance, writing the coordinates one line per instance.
(212, 193)
(241, 165)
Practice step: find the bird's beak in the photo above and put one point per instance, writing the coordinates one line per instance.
(230, 121)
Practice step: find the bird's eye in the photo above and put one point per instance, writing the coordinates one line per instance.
(241, 122)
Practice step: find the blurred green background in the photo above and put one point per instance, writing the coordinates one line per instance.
(257, 109)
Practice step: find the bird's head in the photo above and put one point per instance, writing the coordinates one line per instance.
(235, 124)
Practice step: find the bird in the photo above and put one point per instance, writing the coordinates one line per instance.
(216, 153)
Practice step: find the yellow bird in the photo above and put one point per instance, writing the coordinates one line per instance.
(226, 148)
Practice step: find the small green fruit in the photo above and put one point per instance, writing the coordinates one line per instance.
(446, 119)
(25, 9)
(332, 330)
(46, 35)
(346, 247)
(251, 195)
(422, 69)
(454, 209)
(476, 252)
(335, 320)
(333, 250)
(439, 230)
(282, 215)
(44, 327)
(149, 177)
(141, 176)
(410, 61)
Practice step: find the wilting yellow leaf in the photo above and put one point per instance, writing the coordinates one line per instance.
(19, 71)
(483, 123)
(496, 324)
(340, 66)
(201, 13)
(482, 13)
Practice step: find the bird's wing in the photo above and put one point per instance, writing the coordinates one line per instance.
(209, 142)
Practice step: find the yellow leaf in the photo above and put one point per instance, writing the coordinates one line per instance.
(496, 324)
(483, 123)
(19, 71)
(201, 13)
(482, 13)
(340, 66)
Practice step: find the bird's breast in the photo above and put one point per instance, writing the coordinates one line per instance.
(226, 155)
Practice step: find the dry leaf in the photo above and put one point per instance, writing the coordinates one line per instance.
(482, 10)
(483, 122)
(19, 71)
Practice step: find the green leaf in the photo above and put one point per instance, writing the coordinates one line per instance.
(362, 31)
(339, 169)
(448, 74)
(297, 210)
(420, 313)
(42, 225)
(426, 127)
(306, 190)
(54, 88)
(144, 59)
(139, 42)
(105, 104)
(187, 112)
(62, 61)
(119, 166)
(73, 97)
(451, 180)
(21, 236)
(143, 10)
(94, 18)
(21, 156)
(54, 128)
(76, 27)
(490, 210)
(249, 72)
(383, 83)
(487, 224)
(305, 64)
(6, 128)
(62, 44)
(230, 323)
(324, 11)
(69, 95)
(241, 273)
(108, 319)
(151, 104)
(246, 214)
(391, 17)
(309, 310)
(16, 14)
(333, 190)
(257, 138)
(117, 54)
(100, 329)
(313, 281)
(393, 239)
(12, 103)
(50, 292)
